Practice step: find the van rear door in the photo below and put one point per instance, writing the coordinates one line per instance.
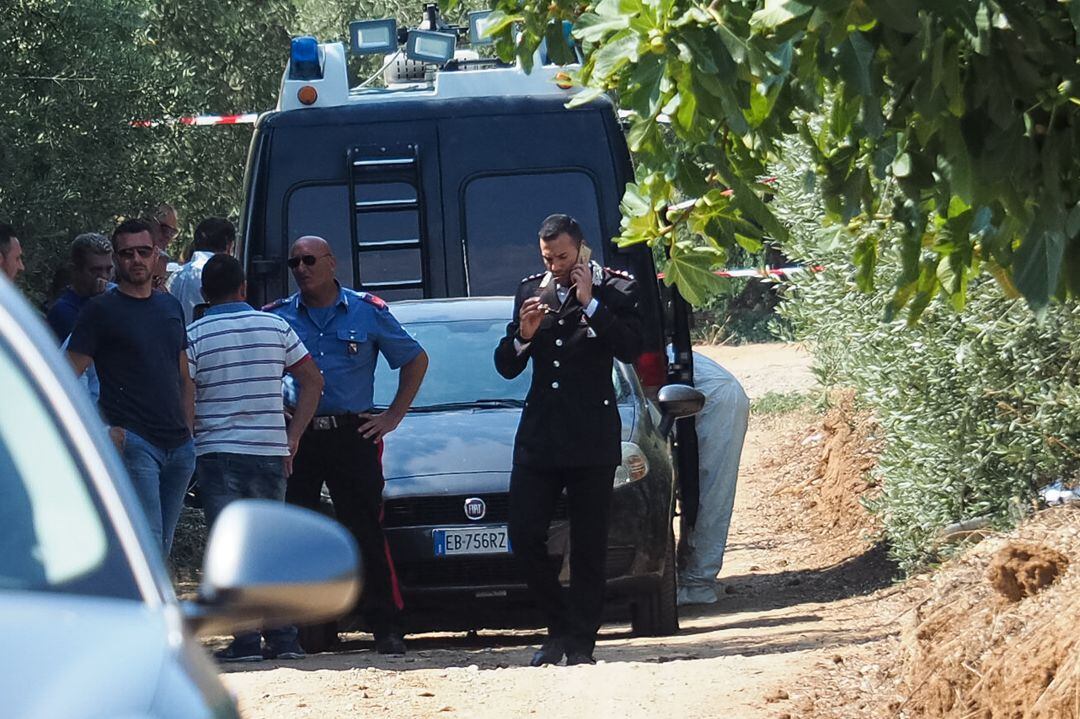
(370, 189)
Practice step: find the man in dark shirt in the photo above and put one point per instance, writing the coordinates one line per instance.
(136, 339)
(91, 267)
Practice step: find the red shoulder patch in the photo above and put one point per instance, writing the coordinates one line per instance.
(275, 304)
(372, 299)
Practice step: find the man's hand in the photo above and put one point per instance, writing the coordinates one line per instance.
(294, 444)
(581, 278)
(377, 426)
(529, 318)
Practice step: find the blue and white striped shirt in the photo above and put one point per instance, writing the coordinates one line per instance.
(237, 357)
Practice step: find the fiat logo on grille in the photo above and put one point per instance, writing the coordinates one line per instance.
(475, 509)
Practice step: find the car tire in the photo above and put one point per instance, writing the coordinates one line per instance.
(315, 638)
(655, 613)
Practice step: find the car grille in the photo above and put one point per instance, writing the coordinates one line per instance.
(420, 511)
(490, 570)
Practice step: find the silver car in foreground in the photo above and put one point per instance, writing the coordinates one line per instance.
(90, 623)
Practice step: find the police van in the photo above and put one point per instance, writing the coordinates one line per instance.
(434, 186)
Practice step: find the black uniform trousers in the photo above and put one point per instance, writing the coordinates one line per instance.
(573, 615)
(352, 469)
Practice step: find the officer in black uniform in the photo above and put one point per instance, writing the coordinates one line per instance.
(571, 321)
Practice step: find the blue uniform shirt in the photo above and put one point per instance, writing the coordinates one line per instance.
(344, 344)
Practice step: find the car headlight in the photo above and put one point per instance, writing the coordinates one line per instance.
(634, 465)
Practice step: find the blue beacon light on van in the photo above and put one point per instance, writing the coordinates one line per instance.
(304, 59)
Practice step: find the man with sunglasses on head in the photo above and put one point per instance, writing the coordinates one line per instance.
(136, 339)
(345, 331)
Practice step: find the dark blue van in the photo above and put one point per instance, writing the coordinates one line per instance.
(436, 188)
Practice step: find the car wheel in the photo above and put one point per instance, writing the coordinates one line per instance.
(655, 613)
(315, 638)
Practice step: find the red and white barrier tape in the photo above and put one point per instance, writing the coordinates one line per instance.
(761, 272)
(247, 118)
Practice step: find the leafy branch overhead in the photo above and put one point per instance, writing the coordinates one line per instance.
(957, 120)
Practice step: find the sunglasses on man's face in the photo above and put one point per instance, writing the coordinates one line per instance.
(308, 260)
(144, 251)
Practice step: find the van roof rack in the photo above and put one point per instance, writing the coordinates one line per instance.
(419, 62)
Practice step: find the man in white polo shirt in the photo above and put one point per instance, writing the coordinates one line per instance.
(237, 357)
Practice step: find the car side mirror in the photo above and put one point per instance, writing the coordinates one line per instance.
(269, 564)
(677, 401)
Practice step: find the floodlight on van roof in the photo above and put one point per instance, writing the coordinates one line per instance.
(430, 46)
(373, 37)
(478, 25)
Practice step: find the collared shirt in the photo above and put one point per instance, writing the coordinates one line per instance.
(186, 283)
(236, 357)
(346, 347)
(63, 313)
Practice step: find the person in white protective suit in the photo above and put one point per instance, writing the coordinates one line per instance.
(721, 428)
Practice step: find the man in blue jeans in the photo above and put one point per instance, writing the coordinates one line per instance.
(237, 357)
(136, 339)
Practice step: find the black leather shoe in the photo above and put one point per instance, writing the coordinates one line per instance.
(393, 644)
(550, 653)
(575, 658)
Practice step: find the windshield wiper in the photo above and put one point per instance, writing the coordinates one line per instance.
(474, 404)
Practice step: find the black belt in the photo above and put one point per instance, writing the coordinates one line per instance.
(348, 420)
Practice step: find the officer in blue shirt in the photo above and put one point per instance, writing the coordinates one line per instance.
(344, 331)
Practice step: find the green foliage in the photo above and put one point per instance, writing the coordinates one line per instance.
(966, 111)
(978, 410)
(76, 74)
(739, 312)
(780, 402)
(72, 77)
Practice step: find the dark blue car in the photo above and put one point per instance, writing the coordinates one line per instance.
(447, 468)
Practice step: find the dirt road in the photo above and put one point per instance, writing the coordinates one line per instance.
(784, 616)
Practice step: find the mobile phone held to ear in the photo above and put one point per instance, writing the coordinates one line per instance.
(584, 254)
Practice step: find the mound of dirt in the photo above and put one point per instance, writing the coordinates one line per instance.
(1020, 570)
(827, 473)
(992, 635)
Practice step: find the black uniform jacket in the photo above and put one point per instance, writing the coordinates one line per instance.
(570, 417)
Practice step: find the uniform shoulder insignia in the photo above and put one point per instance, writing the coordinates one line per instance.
(530, 278)
(275, 304)
(619, 273)
(372, 299)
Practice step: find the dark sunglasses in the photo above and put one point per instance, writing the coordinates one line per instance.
(308, 260)
(145, 251)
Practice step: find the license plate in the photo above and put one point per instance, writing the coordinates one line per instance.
(471, 540)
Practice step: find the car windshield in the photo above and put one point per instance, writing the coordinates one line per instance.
(461, 370)
(53, 535)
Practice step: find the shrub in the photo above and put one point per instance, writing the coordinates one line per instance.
(979, 407)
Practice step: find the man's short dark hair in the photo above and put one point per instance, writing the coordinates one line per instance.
(559, 224)
(214, 234)
(222, 276)
(7, 233)
(86, 244)
(131, 226)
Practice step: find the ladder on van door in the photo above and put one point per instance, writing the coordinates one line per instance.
(388, 219)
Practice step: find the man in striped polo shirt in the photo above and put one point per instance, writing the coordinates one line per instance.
(237, 357)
